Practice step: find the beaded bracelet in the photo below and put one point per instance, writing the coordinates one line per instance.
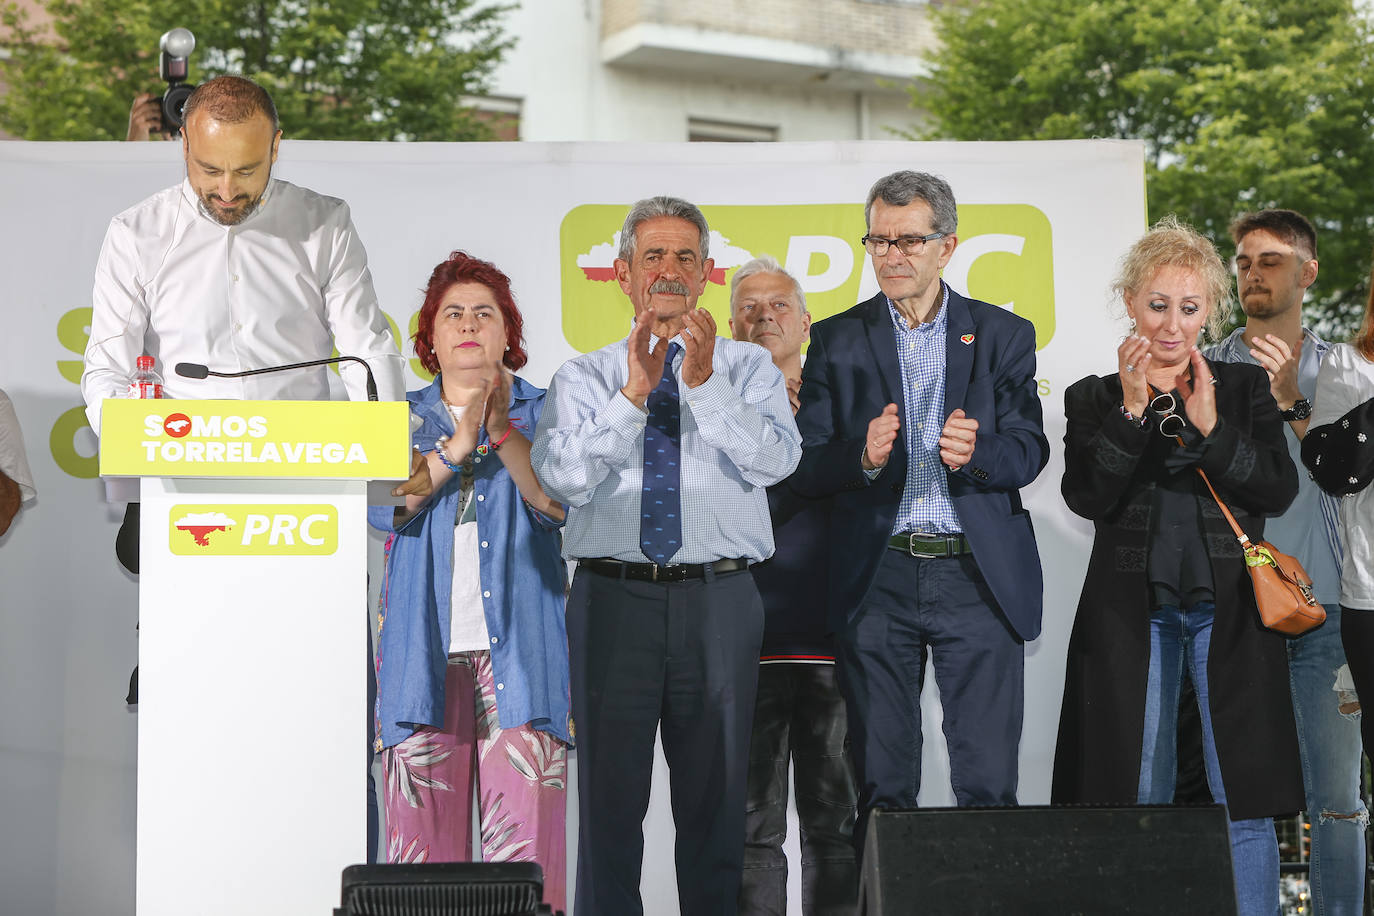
(443, 456)
(480, 451)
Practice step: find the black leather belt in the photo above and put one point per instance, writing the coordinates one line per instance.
(654, 572)
(930, 546)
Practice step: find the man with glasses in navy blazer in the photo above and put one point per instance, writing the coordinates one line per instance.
(920, 416)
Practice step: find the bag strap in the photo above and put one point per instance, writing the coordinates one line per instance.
(1256, 555)
(1240, 535)
(1262, 555)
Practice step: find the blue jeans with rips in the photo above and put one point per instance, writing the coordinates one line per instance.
(1328, 716)
(1179, 643)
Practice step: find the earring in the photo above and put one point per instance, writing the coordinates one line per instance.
(507, 348)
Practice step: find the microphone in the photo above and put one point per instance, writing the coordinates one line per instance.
(196, 370)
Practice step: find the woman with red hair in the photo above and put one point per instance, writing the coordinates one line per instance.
(472, 663)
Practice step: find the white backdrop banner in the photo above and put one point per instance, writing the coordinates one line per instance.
(1041, 226)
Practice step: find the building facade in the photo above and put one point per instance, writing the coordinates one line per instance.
(653, 70)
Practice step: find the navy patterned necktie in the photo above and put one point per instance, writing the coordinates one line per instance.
(660, 507)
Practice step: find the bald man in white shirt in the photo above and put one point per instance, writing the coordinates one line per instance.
(235, 270)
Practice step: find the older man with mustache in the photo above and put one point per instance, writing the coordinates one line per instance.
(663, 446)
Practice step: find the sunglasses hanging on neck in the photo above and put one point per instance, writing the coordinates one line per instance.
(1168, 419)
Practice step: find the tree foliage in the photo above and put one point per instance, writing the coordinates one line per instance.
(337, 70)
(1240, 105)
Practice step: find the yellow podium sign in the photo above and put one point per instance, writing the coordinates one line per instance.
(339, 440)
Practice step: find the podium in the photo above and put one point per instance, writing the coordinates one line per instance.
(252, 647)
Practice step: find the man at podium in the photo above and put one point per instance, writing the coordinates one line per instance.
(235, 270)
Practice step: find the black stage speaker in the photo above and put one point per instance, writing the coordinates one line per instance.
(443, 889)
(1053, 860)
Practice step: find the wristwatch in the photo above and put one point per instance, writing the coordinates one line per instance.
(1301, 410)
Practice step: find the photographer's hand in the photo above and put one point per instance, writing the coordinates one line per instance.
(145, 118)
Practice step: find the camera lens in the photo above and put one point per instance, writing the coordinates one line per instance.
(173, 104)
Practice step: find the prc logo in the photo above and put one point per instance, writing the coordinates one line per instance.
(1004, 256)
(177, 425)
(199, 525)
(599, 263)
(254, 530)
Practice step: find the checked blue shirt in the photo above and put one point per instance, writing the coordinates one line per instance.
(925, 505)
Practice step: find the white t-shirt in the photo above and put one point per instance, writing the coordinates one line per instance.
(467, 617)
(1346, 381)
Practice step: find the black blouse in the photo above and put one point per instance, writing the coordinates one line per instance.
(1178, 569)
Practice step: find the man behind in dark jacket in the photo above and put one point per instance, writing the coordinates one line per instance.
(799, 712)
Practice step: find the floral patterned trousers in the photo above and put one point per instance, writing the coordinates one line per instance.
(520, 775)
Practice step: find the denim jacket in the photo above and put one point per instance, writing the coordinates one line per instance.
(523, 577)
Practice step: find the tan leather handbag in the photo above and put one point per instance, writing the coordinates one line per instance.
(1283, 589)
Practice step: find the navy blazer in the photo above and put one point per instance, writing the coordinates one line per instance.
(852, 373)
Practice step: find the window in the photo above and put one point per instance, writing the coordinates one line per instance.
(702, 130)
(501, 114)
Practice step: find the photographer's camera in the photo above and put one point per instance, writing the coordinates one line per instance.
(174, 67)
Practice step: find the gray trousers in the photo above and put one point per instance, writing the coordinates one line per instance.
(684, 656)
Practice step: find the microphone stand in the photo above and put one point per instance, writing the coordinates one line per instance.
(198, 371)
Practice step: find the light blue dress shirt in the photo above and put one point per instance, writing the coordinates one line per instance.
(738, 438)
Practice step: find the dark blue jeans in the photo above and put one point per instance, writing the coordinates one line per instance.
(799, 716)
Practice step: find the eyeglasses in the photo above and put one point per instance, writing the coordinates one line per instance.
(907, 244)
(1171, 422)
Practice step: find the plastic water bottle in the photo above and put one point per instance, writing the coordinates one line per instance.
(146, 383)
